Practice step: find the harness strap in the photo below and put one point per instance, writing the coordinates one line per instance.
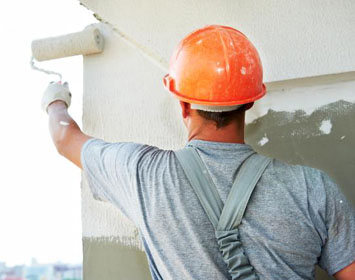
(202, 183)
(247, 178)
(226, 218)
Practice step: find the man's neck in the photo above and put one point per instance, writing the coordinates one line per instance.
(232, 133)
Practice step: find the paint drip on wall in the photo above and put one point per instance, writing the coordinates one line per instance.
(326, 127)
(263, 140)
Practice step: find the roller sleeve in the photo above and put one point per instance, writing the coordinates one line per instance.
(89, 41)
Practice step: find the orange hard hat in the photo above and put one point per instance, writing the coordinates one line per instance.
(215, 66)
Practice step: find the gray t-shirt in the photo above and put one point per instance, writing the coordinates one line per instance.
(296, 218)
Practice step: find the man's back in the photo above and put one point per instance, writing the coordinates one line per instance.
(295, 217)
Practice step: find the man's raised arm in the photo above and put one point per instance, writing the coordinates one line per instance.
(66, 134)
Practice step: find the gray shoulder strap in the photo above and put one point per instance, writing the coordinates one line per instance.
(202, 183)
(243, 186)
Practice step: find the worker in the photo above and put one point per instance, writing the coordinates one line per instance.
(294, 218)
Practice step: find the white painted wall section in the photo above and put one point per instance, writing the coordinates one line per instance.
(306, 98)
(296, 39)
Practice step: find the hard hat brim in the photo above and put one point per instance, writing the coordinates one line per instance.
(168, 84)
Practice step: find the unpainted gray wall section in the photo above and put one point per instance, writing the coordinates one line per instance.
(295, 137)
(109, 260)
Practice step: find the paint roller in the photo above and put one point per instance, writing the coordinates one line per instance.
(87, 42)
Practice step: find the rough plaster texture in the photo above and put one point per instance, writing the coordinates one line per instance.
(295, 38)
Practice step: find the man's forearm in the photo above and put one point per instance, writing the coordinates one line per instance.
(66, 134)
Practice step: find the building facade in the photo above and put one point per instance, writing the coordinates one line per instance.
(308, 52)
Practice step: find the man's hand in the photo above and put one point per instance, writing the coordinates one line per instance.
(56, 91)
(66, 134)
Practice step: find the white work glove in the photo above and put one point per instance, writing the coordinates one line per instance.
(56, 91)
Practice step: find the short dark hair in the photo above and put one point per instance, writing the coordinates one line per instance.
(221, 119)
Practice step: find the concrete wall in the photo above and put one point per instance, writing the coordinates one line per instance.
(302, 120)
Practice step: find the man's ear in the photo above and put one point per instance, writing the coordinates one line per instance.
(185, 109)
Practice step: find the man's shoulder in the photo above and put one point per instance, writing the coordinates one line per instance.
(301, 175)
(124, 146)
(299, 169)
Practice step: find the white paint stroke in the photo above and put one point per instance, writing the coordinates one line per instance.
(326, 127)
(63, 123)
(307, 99)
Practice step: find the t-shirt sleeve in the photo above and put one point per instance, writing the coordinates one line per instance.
(110, 170)
(338, 250)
